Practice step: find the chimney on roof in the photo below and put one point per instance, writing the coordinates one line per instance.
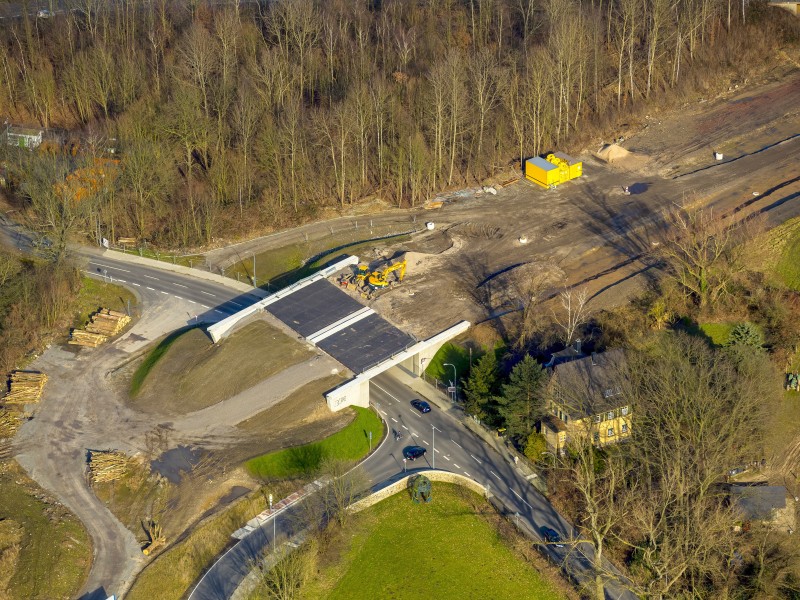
(578, 346)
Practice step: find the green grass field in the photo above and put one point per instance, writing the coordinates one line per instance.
(405, 551)
(351, 443)
(718, 333)
(788, 265)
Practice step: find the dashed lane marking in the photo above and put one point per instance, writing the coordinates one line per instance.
(495, 474)
(435, 450)
(204, 306)
(383, 412)
(404, 427)
(235, 303)
(456, 443)
(190, 301)
(447, 458)
(136, 284)
(165, 293)
(393, 419)
(109, 267)
(207, 294)
(122, 281)
(476, 459)
(180, 285)
(179, 298)
(456, 466)
(425, 442)
(467, 474)
(219, 311)
(416, 415)
(149, 288)
(392, 396)
(151, 277)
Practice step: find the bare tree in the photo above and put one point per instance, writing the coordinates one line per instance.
(574, 313)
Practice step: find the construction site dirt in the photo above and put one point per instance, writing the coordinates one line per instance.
(590, 232)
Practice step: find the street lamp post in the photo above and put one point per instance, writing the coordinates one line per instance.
(273, 521)
(455, 380)
(370, 441)
(434, 429)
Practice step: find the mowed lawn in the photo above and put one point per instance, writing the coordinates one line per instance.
(351, 443)
(400, 550)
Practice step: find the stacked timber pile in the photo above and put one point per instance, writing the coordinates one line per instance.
(107, 465)
(9, 423)
(108, 322)
(79, 337)
(104, 324)
(25, 387)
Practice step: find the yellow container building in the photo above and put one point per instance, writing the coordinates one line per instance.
(542, 172)
(575, 166)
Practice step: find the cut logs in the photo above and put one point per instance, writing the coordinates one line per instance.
(107, 465)
(25, 387)
(9, 423)
(104, 324)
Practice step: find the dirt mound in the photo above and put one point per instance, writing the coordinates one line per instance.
(618, 156)
(611, 153)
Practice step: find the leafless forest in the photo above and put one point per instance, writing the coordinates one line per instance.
(234, 118)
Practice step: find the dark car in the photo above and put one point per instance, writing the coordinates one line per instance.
(421, 406)
(413, 452)
(551, 536)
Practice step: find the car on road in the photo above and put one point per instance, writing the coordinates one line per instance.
(413, 452)
(421, 406)
(551, 536)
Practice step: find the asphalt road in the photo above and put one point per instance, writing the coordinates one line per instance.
(450, 446)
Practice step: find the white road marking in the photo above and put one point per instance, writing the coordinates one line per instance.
(516, 494)
(447, 458)
(383, 412)
(404, 427)
(207, 294)
(467, 474)
(456, 443)
(151, 277)
(149, 288)
(416, 415)
(435, 450)
(179, 298)
(122, 280)
(393, 419)
(191, 301)
(136, 284)
(476, 459)
(204, 306)
(385, 392)
(165, 293)
(180, 285)
(219, 311)
(236, 304)
(425, 442)
(456, 466)
(108, 267)
(495, 474)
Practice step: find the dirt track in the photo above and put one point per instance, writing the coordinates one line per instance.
(81, 409)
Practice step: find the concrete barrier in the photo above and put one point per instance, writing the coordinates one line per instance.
(402, 484)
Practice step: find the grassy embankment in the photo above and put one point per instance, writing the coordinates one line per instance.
(96, 294)
(187, 372)
(449, 548)
(351, 443)
(45, 553)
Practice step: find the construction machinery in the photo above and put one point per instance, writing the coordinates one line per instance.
(380, 279)
(552, 170)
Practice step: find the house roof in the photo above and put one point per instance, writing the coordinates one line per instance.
(553, 423)
(756, 502)
(590, 385)
(566, 355)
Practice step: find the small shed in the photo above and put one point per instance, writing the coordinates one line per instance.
(24, 137)
(542, 172)
(758, 502)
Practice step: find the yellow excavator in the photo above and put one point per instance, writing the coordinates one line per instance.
(380, 279)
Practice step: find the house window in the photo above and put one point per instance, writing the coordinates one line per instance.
(597, 418)
(610, 432)
(566, 418)
(596, 437)
(624, 428)
(624, 411)
(610, 415)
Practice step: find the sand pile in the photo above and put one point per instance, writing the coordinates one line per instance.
(618, 156)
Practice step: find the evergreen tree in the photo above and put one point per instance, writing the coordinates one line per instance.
(522, 401)
(481, 385)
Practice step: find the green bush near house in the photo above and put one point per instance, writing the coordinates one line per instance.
(718, 333)
(351, 443)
